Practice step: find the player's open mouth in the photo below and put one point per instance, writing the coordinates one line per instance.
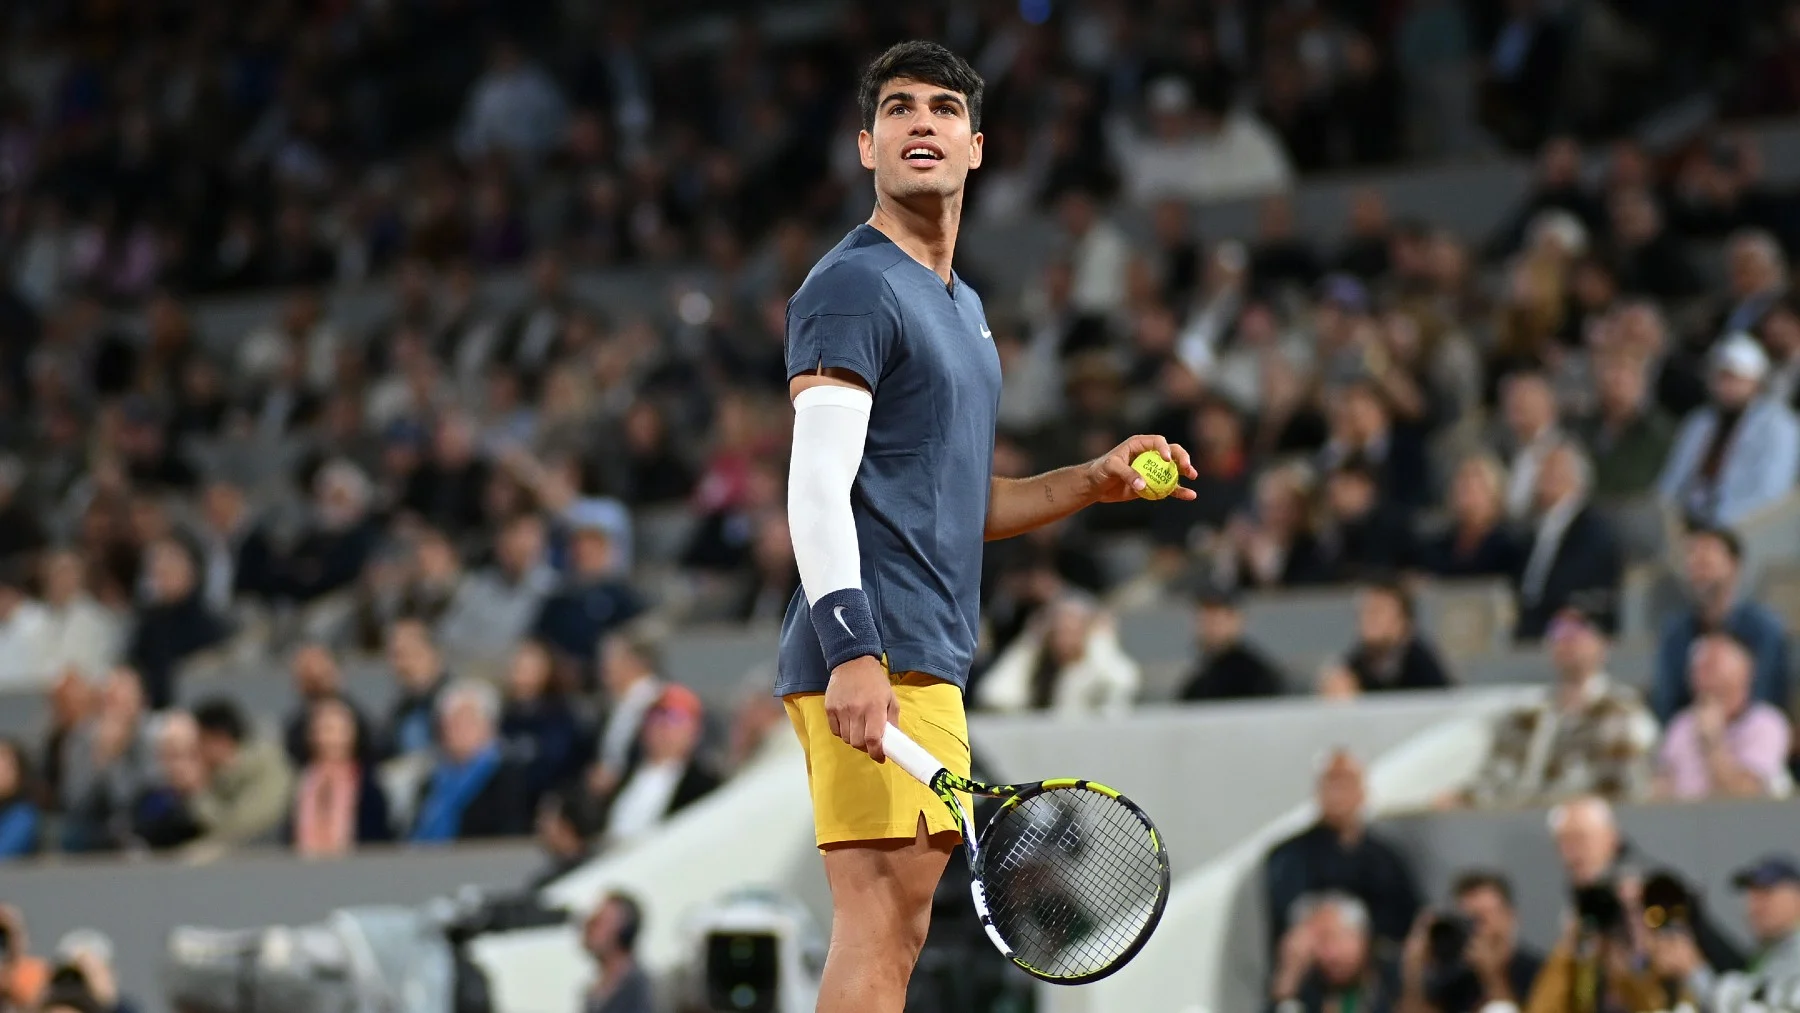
(922, 154)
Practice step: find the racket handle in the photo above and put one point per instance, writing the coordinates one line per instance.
(912, 757)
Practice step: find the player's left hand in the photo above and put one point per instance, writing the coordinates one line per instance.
(1111, 480)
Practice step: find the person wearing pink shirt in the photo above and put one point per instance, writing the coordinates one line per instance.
(1724, 743)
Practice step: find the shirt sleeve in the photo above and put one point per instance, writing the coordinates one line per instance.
(845, 317)
(1763, 749)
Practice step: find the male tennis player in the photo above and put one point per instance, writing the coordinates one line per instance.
(895, 384)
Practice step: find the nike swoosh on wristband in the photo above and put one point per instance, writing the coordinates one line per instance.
(838, 614)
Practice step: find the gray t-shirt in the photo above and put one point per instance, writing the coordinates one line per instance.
(921, 495)
(632, 996)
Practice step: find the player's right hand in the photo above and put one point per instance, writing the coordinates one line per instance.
(859, 703)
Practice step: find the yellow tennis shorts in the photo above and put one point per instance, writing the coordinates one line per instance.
(856, 799)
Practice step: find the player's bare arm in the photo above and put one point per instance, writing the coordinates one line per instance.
(1017, 505)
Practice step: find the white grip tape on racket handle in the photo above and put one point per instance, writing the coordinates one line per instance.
(912, 757)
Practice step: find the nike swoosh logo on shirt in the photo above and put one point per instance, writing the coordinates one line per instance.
(838, 614)
(986, 333)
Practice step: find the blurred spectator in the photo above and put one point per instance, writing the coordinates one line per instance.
(774, 576)
(1628, 434)
(1771, 890)
(23, 976)
(1725, 743)
(1712, 571)
(1327, 960)
(1756, 276)
(1779, 332)
(1365, 431)
(1221, 455)
(592, 602)
(514, 109)
(446, 489)
(1068, 659)
(1277, 547)
(1558, 187)
(82, 635)
(419, 669)
(475, 789)
(337, 542)
(21, 825)
(1363, 535)
(1575, 560)
(629, 686)
(563, 828)
(1585, 954)
(318, 678)
(21, 530)
(1494, 969)
(668, 777)
(1649, 258)
(610, 936)
(1098, 255)
(1528, 405)
(338, 803)
(103, 762)
(1196, 150)
(248, 779)
(1521, 76)
(1389, 653)
(1739, 454)
(538, 723)
(1478, 542)
(24, 633)
(758, 719)
(1229, 668)
(162, 814)
(1340, 854)
(174, 625)
(83, 979)
(493, 607)
(1590, 735)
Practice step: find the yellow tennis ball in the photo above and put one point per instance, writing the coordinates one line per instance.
(1160, 476)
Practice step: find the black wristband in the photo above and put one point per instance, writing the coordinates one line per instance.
(845, 626)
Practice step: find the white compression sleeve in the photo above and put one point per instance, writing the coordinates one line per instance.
(830, 424)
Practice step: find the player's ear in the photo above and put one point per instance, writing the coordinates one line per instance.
(865, 147)
(977, 141)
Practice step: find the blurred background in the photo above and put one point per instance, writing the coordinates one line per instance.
(391, 389)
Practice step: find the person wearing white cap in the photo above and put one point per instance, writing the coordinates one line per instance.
(1739, 453)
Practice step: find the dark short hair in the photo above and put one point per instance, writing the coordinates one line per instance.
(219, 716)
(1394, 589)
(919, 60)
(632, 918)
(1724, 535)
(1483, 879)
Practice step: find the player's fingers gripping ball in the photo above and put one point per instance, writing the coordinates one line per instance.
(1160, 476)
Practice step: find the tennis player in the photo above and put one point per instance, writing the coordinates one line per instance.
(896, 383)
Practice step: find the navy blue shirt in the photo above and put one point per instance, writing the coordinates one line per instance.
(921, 495)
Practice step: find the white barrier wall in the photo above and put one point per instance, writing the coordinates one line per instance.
(1210, 776)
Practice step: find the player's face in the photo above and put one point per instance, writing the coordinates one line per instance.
(922, 144)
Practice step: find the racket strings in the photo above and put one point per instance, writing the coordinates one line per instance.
(1072, 879)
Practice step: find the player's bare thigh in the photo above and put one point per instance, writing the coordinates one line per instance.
(881, 890)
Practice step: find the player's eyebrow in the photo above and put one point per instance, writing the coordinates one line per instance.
(907, 97)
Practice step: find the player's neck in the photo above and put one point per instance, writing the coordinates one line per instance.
(926, 231)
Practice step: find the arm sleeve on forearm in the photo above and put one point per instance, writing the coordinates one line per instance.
(830, 424)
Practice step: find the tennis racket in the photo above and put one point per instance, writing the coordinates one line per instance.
(1069, 877)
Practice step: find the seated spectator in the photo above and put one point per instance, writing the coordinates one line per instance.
(1068, 659)
(1363, 429)
(23, 975)
(1628, 434)
(338, 803)
(1589, 735)
(773, 575)
(1528, 405)
(494, 606)
(1725, 743)
(609, 936)
(475, 790)
(1771, 891)
(103, 763)
(337, 542)
(1229, 668)
(629, 687)
(21, 825)
(1574, 559)
(1478, 542)
(1389, 653)
(81, 634)
(1196, 150)
(1740, 453)
(419, 669)
(24, 633)
(1340, 854)
(1363, 536)
(235, 554)
(538, 723)
(1712, 565)
(1327, 963)
(564, 824)
(317, 678)
(174, 626)
(162, 815)
(445, 491)
(1278, 546)
(1500, 968)
(1779, 332)
(1221, 455)
(669, 777)
(592, 602)
(248, 780)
